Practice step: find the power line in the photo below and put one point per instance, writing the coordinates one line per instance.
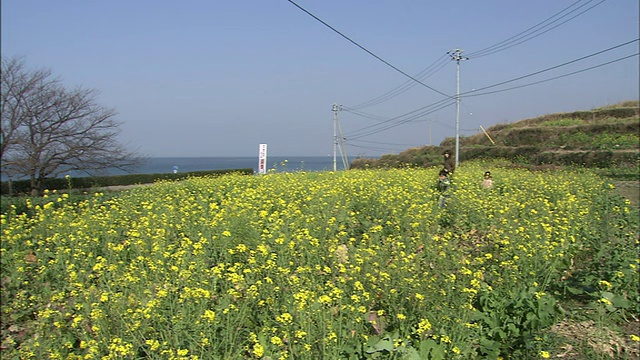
(452, 127)
(503, 45)
(511, 88)
(424, 108)
(441, 104)
(557, 77)
(428, 71)
(398, 118)
(551, 68)
(524, 36)
(380, 143)
(398, 121)
(366, 50)
(372, 148)
(363, 114)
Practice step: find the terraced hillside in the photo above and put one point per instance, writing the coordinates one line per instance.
(603, 138)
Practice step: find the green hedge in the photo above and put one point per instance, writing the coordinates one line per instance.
(24, 186)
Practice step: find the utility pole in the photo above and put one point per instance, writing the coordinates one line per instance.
(338, 140)
(430, 122)
(335, 109)
(456, 55)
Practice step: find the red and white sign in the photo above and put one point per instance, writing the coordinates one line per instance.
(262, 160)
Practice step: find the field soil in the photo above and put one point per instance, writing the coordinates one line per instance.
(630, 190)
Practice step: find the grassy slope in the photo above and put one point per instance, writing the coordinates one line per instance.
(599, 138)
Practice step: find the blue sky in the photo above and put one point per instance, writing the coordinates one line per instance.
(217, 78)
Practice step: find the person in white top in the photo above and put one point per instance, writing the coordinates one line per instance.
(487, 182)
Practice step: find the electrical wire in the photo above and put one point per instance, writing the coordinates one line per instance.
(380, 143)
(503, 45)
(524, 36)
(502, 90)
(376, 148)
(395, 122)
(551, 68)
(439, 105)
(367, 51)
(427, 72)
(365, 115)
(518, 39)
(557, 77)
(452, 126)
(400, 121)
(397, 118)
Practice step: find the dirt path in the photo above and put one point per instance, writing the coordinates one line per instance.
(630, 190)
(122, 187)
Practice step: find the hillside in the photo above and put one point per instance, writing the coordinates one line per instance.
(603, 138)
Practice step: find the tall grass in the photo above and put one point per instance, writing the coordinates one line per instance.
(352, 265)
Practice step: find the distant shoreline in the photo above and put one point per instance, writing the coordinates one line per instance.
(165, 165)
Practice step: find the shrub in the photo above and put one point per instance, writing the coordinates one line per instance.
(24, 186)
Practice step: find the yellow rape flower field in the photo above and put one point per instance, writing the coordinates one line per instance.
(324, 265)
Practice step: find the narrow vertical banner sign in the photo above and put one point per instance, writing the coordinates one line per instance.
(262, 160)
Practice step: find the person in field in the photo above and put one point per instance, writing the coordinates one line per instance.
(487, 182)
(444, 184)
(449, 162)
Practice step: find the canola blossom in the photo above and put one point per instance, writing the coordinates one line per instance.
(305, 265)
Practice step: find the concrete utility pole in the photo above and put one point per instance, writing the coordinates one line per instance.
(338, 140)
(335, 109)
(456, 54)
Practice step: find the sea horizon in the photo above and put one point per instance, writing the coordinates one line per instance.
(182, 164)
(161, 164)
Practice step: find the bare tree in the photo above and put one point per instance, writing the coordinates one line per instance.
(48, 130)
(19, 86)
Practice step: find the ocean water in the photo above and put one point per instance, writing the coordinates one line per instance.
(161, 165)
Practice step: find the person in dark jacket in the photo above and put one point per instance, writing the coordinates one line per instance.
(449, 161)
